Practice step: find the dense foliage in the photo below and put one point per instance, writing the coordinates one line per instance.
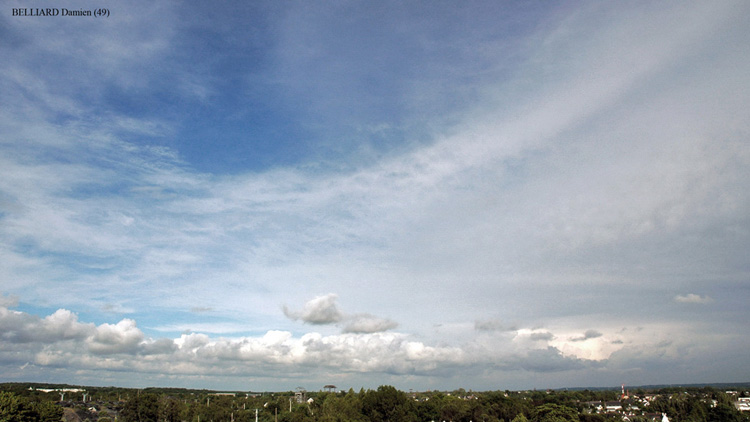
(385, 404)
(15, 408)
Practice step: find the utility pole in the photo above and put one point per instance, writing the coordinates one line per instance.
(256, 415)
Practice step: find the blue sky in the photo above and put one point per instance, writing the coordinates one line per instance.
(432, 195)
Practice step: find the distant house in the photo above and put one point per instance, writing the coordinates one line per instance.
(655, 417)
(595, 406)
(613, 406)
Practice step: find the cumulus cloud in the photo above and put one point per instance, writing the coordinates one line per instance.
(366, 323)
(363, 348)
(122, 347)
(64, 325)
(161, 346)
(320, 310)
(63, 331)
(20, 327)
(13, 326)
(123, 337)
(192, 342)
(692, 298)
(324, 310)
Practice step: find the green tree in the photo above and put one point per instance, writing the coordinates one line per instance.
(504, 406)
(387, 404)
(170, 409)
(14, 408)
(340, 409)
(551, 412)
(427, 410)
(141, 408)
(520, 418)
(47, 412)
(103, 417)
(725, 413)
(453, 409)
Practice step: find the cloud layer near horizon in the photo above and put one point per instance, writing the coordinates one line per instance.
(59, 343)
(556, 197)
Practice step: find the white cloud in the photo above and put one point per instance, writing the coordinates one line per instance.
(121, 345)
(692, 298)
(366, 323)
(320, 310)
(192, 342)
(20, 327)
(323, 310)
(285, 359)
(123, 337)
(64, 325)
(162, 346)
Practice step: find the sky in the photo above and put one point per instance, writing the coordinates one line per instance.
(266, 195)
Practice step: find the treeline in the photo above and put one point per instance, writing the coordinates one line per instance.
(15, 408)
(704, 406)
(386, 403)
